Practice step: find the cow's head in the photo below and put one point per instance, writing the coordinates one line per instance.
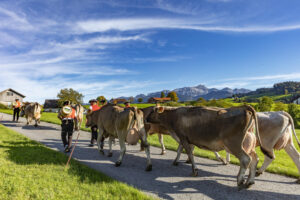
(153, 116)
(89, 119)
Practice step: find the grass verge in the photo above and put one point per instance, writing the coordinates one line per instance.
(29, 170)
(282, 164)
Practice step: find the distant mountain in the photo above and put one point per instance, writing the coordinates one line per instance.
(193, 93)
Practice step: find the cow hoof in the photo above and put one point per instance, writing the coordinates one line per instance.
(188, 161)
(175, 163)
(35, 125)
(195, 173)
(298, 181)
(109, 154)
(258, 174)
(223, 161)
(118, 163)
(249, 184)
(163, 153)
(149, 168)
(101, 152)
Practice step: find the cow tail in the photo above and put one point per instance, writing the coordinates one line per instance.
(251, 109)
(291, 121)
(137, 121)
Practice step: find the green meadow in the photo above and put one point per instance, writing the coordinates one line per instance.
(29, 170)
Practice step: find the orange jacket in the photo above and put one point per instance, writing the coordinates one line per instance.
(72, 115)
(95, 107)
(18, 104)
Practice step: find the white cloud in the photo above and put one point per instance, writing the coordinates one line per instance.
(129, 24)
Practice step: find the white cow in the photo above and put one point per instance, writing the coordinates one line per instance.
(276, 131)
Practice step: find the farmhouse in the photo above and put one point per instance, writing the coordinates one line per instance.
(51, 105)
(158, 100)
(9, 95)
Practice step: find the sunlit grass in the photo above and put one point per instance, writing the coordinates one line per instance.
(29, 170)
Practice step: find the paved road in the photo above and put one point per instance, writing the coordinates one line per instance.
(166, 181)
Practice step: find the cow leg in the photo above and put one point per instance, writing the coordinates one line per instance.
(110, 146)
(146, 146)
(122, 149)
(100, 141)
(245, 160)
(192, 149)
(294, 154)
(179, 150)
(35, 123)
(189, 152)
(266, 163)
(161, 141)
(219, 158)
(252, 169)
(227, 157)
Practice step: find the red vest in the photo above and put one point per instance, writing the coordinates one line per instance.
(95, 107)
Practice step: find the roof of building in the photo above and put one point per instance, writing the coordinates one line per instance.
(162, 99)
(14, 91)
(51, 103)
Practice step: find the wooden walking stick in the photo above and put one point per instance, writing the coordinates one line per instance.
(72, 150)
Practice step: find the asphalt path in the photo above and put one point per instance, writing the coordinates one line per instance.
(214, 181)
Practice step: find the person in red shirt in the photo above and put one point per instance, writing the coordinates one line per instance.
(93, 107)
(127, 104)
(67, 127)
(17, 107)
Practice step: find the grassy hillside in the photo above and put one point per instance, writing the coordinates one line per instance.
(29, 170)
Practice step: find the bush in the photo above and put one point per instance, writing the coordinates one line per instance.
(279, 106)
(265, 104)
(173, 104)
(2, 106)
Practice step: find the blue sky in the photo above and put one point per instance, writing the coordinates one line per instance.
(124, 48)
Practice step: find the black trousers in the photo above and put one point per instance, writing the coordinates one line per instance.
(67, 129)
(94, 136)
(16, 114)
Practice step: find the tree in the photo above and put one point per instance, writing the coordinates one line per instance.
(201, 100)
(294, 111)
(162, 95)
(140, 100)
(101, 98)
(279, 106)
(173, 96)
(265, 104)
(69, 95)
(131, 99)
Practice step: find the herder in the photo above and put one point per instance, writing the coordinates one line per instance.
(16, 106)
(67, 116)
(94, 106)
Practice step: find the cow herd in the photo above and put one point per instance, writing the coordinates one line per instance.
(238, 130)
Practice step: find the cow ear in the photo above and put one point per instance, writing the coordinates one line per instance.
(160, 109)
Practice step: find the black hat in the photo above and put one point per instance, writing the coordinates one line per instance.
(126, 102)
(92, 100)
(103, 101)
(66, 103)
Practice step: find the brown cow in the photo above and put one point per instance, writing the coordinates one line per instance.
(156, 129)
(115, 122)
(276, 131)
(32, 111)
(212, 129)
